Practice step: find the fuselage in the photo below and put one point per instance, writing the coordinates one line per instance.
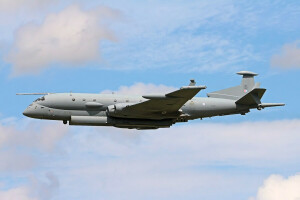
(91, 109)
(150, 111)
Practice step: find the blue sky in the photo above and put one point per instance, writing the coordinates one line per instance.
(134, 46)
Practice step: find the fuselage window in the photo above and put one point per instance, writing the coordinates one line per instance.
(94, 99)
(83, 99)
(115, 100)
(73, 99)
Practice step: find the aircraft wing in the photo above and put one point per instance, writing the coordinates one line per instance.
(163, 106)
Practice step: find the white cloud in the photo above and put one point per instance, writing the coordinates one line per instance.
(289, 57)
(71, 36)
(43, 137)
(36, 190)
(258, 143)
(45, 190)
(14, 160)
(277, 187)
(180, 161)
(142, 89)
(18, 144)
(23, 146)
(184, 162)
(14, 5)
(18, 193)
(183, 37)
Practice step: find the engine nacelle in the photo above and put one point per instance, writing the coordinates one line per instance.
(89, 121)
(120, 122)
(117, 110)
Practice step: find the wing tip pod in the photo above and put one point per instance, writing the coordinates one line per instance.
(194, 87)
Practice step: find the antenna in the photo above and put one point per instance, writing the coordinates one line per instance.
(33, 93)
(192, 83)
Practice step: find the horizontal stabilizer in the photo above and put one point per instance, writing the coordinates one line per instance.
(252, 98)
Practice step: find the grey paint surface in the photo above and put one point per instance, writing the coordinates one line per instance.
(149, 111)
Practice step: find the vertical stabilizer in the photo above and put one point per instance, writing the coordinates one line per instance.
(235, 93)
(248, 80)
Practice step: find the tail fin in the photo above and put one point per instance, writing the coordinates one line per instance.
(248, 79)
(235, 93)
(247, 93)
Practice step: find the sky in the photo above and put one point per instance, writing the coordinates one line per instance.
(140, 47)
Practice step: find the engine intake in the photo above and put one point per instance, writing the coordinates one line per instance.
(117, 110)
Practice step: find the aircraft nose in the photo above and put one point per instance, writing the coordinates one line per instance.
(27, 112)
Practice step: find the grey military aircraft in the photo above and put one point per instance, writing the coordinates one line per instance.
(150, 111)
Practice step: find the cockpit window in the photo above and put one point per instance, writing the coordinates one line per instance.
(40, 99)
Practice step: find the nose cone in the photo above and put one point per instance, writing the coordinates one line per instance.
(33, 111)
(27, 112)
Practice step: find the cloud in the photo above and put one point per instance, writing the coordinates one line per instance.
(71, 36)
(276, 187)
(14, 160)
(289, 57)
(183, 161)
(186, 37)
(266, 142)
(9, 5)
(25, 145)
(43, 137)
(18, 193)
(45, 190)
(19, 145)
(141, 89)
(36, 190)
